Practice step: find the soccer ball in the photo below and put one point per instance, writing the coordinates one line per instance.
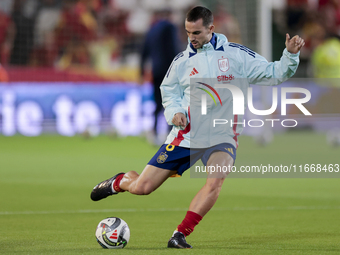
(113, 233)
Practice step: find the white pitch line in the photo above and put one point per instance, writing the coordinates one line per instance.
(269, 208)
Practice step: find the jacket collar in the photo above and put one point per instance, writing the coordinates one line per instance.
(212, 44)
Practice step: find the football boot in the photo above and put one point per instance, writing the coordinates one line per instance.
(104, 189)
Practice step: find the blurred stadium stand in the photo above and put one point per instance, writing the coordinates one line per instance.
(76, 42)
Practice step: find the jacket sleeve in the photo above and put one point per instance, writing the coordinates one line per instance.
(172, 93)
(259, 71)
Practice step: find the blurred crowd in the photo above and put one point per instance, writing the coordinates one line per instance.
(104, 34)
(75, 32)
(318, 22)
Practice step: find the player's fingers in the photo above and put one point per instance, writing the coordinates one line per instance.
(287, 38)
(175, 121)
(179, 121)
(301, 43)
(295, 39)
(184, 121)
(298, 40)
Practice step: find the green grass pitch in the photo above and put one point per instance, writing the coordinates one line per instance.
(45, 206)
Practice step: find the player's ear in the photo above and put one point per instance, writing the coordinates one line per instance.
(211, 28)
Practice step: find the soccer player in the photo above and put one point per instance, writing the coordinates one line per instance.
(200, 60)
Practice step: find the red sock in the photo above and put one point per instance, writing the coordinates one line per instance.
(188, 224)
(117, 182)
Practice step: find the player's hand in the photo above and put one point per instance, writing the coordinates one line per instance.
(294, 44)
(179, 120)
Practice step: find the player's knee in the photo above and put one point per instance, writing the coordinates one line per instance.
(132, 175)
(142, 191)
(144, 188)
(214, 185)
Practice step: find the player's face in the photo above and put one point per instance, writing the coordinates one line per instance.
(197, 33)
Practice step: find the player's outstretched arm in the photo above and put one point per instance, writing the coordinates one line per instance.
(294, 44)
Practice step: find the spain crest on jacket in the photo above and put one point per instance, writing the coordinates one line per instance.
(223, 64)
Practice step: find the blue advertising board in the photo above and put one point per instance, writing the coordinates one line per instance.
(31, 109)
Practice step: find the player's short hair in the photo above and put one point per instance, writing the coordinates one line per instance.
(200, 12)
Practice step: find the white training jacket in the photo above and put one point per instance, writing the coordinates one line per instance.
(221, 62)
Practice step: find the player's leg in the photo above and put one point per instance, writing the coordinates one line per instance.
(168, 161)
(203, 201)
(207, 196)
(145, 183)
(149, 180)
